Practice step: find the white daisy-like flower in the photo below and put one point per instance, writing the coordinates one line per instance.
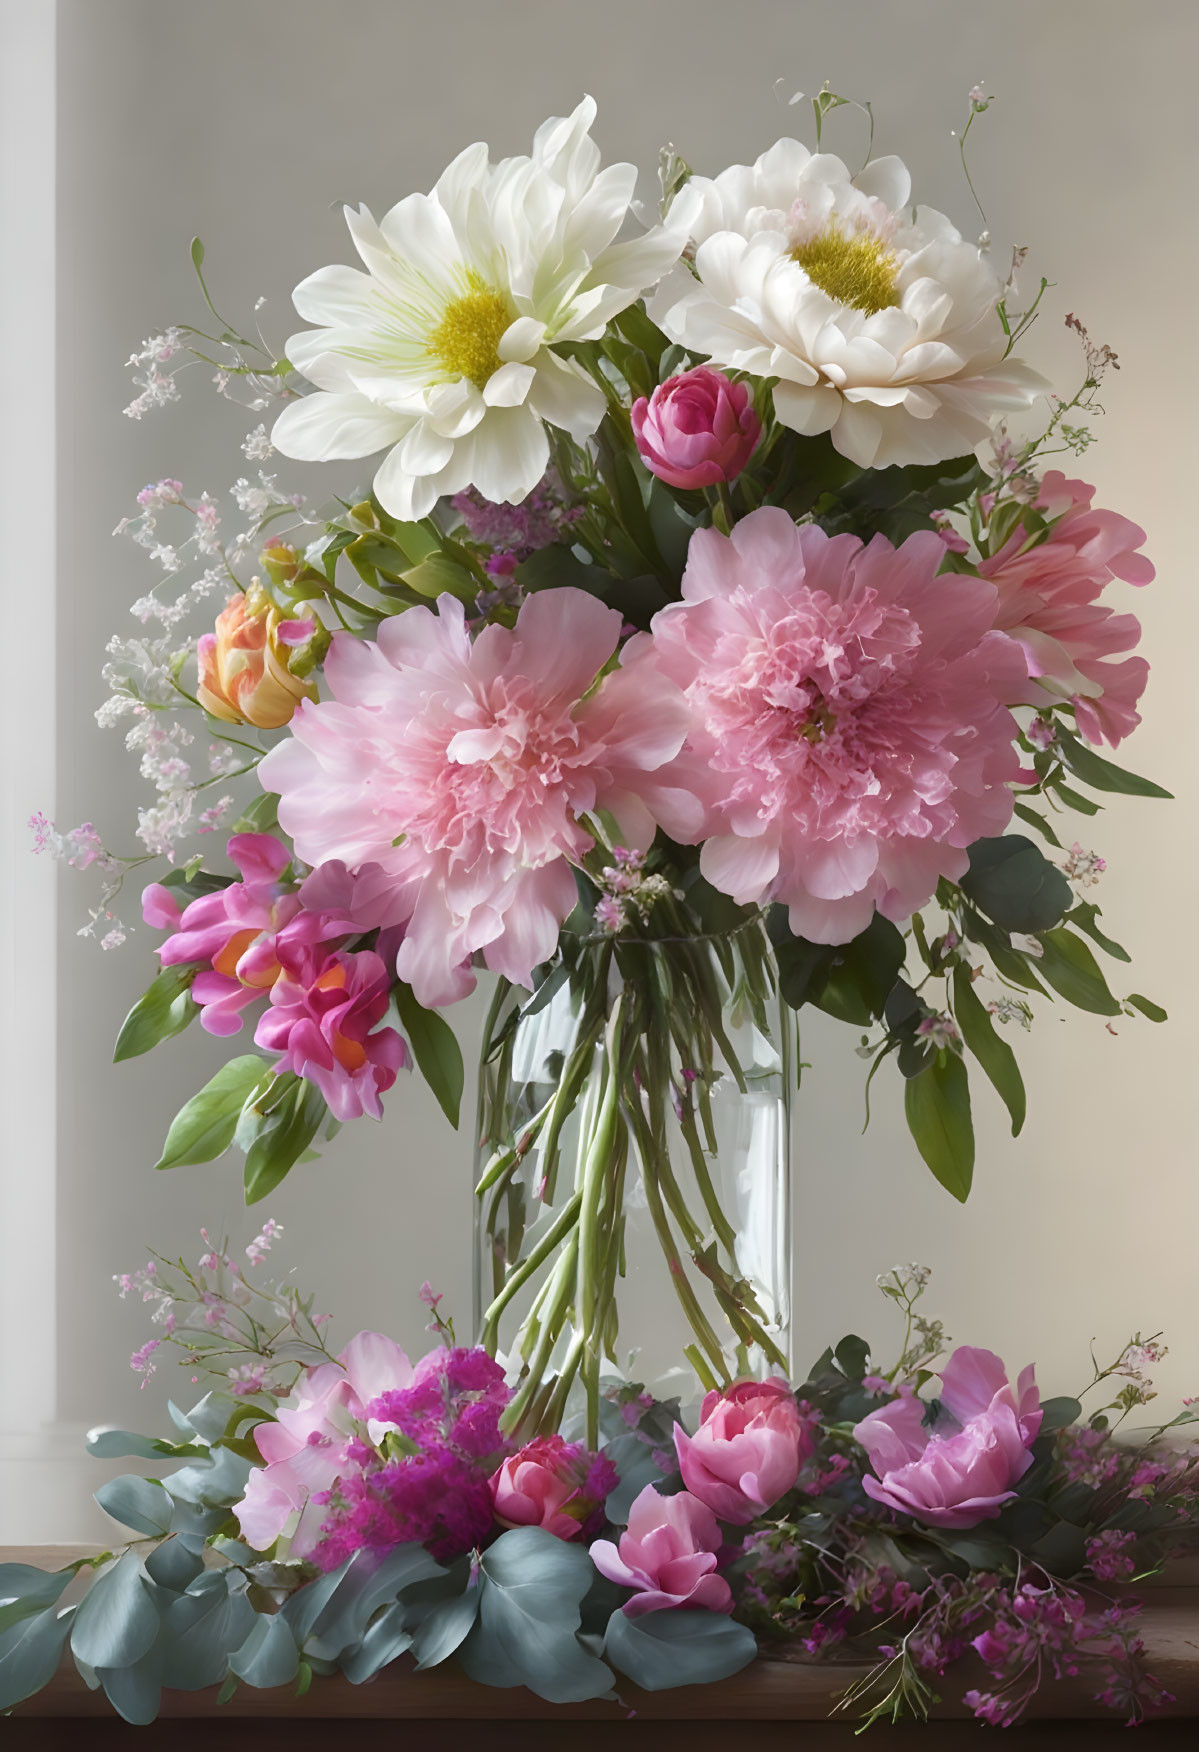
(444, 352)
(879, 322)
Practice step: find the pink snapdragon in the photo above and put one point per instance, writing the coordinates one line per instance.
(463, 770)
(963, 1468)
(849, 738)
(306, 1445)
(747, 1451)
(237, 933)
(668, 1554)
(322, 1020)
(554, 1484)
(697, 430)
(1049, 601)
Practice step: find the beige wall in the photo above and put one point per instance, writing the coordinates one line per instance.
(248, 121)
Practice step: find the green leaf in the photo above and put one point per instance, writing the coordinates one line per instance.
(205, 1127)
(529, 1614)
(164, 1008)
(1101, 774)
(197, 253)
(31, 1586)
(111, 1444)
(1059, 1414)
(438, 576)
(852, 1356)
(387, 1638)
(140, 1503)
(436, 1050)
(936, 1105)
(118, 1619)
(1083, 917)
(282, 1136)
(862, 973)
(1147, 1007)
(1015, 884)
(174, 1565)
(661, 1650)
(30, 1651)
(444, 1628)
(203, 1627)
(1037, 821)
(988, 1046)
(1073, 972)
(269, 1655)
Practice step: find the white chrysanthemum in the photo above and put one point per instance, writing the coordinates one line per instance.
(444, 351)
(879, 323)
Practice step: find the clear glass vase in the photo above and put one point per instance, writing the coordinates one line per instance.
(633, 1184)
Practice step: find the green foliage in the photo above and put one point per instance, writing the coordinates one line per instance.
(1013, 882)
(280, 1134)
(1073, 972)
(851, 981)
(936, 1105)
(1101, 774)
(164, 1008)
(531, 1591)
(989, 1048)
(435, 1049)
(205, 1127)
(662, 1650)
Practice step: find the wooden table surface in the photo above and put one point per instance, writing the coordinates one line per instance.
(773, 1694)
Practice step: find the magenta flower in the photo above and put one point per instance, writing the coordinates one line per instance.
(747, 1451)
(305, 1446)
(848, 734)
(1049, 601)
(322, 1019)
(554, 1484)
(668, 1554)
(697, 429)
(962, 1468)
(462, 771)
(239, 932)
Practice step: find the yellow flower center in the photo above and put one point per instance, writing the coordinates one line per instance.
(466, 341)
(858, 270)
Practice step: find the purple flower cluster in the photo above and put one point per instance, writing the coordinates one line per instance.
(518, 530)
(430, 1482)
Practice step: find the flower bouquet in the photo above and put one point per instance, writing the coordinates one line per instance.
(702, 632)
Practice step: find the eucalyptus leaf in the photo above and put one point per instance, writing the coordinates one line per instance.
(30, 1651)
(661, 1650)
(34, 1587)
(209, 1417)
(385, 1641)
(635, 1463)
(269, 1655)
(164, 1008)
(135, 1692)
(139, 1503)
(444, 1627)
(118, 1618)
(529, 1614)
(173, 1565)
(114, 1444)
(202, 1628)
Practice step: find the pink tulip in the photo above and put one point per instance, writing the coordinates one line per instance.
(747, 1451)
(669, 1554)
(962, 1468)
(696, 430)
(553, 1484)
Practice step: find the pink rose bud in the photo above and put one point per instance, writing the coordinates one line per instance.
(668, 1554)
(747, 1451)
(554, 1484)
(960, 1469)
(696, 429)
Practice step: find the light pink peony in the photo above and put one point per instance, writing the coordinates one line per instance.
(961, 1470)
(461, 771)
(669, 1554)
(305, 1446)
(696, 429)
(747, 1451)
(322, 1019)
(240, 931)
(1049, 602)
(848, 740)
(554, 1484)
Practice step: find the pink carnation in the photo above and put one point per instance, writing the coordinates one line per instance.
(960, 1469)
(1049, 602)
(848, 735)
(305, 1445)
(322, 1020)
(461, 770)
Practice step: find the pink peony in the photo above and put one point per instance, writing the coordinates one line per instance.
(848, 739)
(747, 1451)
(962, 1469)
(305, 1445)
(322, 1020)
(553, 1484)
(696, 429)
(1049, 602)
(239, 932)
(461, 770)
(669, 1554)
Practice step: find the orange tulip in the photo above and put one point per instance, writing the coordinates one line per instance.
(245, 673)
